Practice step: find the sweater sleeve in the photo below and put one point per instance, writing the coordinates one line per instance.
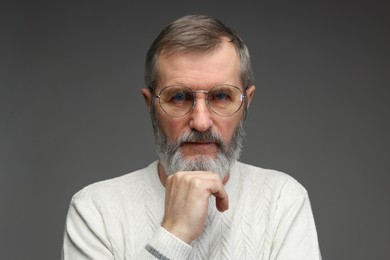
(296, 235)
(86, 237)
(165, 246)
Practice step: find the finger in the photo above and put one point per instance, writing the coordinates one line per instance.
(204, 180)
(215, 187)
(221, 197)
(222, 204)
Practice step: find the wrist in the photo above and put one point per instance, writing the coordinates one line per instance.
(179, 233)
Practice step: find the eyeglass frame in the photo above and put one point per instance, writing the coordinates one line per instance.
(243, 97)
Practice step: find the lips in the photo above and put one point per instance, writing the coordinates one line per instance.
(200, 143)
(199, 148)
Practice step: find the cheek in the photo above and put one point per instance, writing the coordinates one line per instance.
(226, 127)
(173, 128)
(228, 132)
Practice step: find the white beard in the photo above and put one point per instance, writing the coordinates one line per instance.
(173, 160)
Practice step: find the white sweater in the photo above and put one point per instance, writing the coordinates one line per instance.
(269, 217)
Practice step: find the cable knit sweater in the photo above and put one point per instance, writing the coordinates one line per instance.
(269, 217)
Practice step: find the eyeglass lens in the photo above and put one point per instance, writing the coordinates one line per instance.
(224, 100)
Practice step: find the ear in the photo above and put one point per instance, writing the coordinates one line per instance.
(147, 97)
(249, 95)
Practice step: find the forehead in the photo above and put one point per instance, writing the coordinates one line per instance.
(205, 70)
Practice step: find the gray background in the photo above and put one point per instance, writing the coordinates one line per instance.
(72, 114)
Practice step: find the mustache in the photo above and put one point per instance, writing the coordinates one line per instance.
(196, 136)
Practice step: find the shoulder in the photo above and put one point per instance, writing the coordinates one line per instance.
(278, 182)
(113, 191)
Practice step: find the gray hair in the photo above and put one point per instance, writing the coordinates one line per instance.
(199, 34)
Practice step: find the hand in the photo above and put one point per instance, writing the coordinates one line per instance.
(186, 202)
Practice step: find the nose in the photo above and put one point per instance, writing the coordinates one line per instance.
(201, 116)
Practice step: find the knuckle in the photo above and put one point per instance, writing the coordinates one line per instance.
(170, 179)
(186, 178)
(176, 177)
(213, 174)
(197, 183)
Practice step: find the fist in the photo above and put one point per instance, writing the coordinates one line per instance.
(186, 202)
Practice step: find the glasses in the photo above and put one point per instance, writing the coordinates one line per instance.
(223, 100)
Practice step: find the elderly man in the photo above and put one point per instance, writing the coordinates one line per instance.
(196, 201)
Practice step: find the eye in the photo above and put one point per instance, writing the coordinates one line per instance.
(219, 96)
(181, 96)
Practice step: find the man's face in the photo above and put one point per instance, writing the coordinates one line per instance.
(199, 72)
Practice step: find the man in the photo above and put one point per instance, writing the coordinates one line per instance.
(197, 201)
